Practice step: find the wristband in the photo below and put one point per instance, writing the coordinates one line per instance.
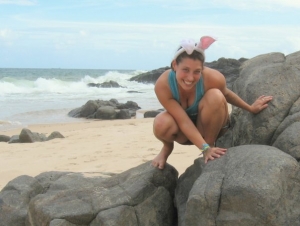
(204, 147)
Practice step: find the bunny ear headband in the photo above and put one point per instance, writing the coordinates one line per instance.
(189, 46)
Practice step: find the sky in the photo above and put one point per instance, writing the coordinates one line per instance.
(140, 34)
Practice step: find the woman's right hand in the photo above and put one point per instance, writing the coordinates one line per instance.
(212, 153)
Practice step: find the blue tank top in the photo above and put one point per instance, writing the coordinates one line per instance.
(192, 111)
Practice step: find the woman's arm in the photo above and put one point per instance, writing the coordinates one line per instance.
(217, 80)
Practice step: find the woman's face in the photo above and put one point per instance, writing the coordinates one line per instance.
(188, 72)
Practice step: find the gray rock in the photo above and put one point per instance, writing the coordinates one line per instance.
(14, 199)
(151, 114)
(75, 113)
(129, 105)
(59, 222)
(249, 185)
(110, 84)
(121, 215)
(106, 112)
(54, 135)
(123, 114)
(4, 138)
(113, 101)
(141, 195)
(101, 109)
(14, 139)
(268, 74)
(288, 140)
(228, 67)
(26, 136)
(89, 108)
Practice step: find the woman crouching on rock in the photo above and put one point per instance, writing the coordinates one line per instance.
(195, 100)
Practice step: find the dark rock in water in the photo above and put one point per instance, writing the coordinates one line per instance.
(132, 91)
(249, 185)
(26, 136)
(150, 76)
(141, 195)
(110, 84)
(4, 138)
(93, 84)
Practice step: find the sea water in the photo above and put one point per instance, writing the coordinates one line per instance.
(42, 96)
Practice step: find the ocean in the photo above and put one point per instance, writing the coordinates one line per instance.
(44, 96)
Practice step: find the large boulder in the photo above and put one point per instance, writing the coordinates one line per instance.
(249, 185)
(140, 196)
(230, 68)
(269, 74)
(89, 108)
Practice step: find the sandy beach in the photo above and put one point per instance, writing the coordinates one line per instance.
(88, 146)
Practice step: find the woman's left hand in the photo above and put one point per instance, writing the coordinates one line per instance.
(260, 104)
(212, 153)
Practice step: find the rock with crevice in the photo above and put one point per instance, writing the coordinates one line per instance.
(249, 185)
(140, 196)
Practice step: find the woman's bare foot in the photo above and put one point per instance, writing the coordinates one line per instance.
(160, 160)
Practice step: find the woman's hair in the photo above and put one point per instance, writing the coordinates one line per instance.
(195, 56)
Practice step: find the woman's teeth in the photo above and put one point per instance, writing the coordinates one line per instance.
(188, 83)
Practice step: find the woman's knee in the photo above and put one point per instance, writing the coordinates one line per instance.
(162, 124)
(212, 97)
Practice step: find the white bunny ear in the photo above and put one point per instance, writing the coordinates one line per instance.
(188, 45)
(205, 42)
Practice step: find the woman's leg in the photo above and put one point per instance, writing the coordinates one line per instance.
(167, 131)
(212, 115)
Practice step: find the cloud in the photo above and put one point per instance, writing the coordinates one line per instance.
(17, 2)
(157, 38)
(266, 5)
(4, 33)
(269, 5)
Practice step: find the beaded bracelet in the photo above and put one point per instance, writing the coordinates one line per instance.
(204, 147)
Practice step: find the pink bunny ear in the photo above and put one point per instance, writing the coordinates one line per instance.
(205, 42)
